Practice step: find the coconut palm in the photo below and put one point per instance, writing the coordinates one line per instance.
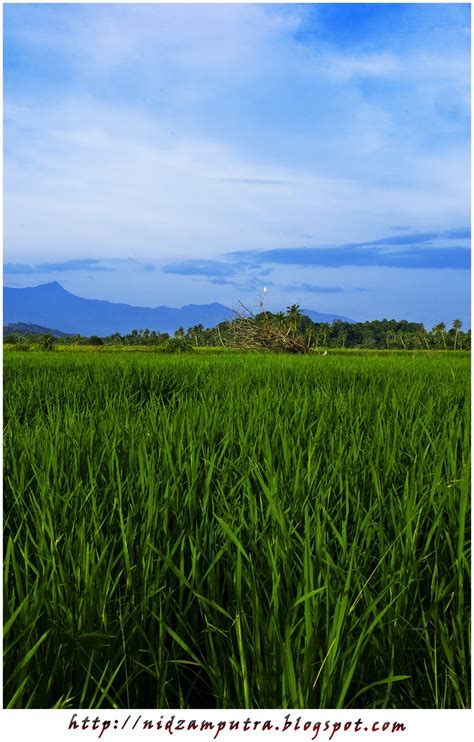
(293, 315)
(324, 329)
(457, 324)
(421, 337)
(342, 337)
(309, 335)
(440, 330)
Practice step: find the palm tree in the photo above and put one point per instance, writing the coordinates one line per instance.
(309, 333)
(197, 331)
(457, 324)
(341, 334)
(293, 315)
(46, 342)
(421, 337)
(324, 329)
(440, 329)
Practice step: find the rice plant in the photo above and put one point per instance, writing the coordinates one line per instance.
(236, 531)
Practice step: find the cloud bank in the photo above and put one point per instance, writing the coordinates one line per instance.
(208, 142)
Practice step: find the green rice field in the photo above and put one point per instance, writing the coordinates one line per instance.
(236, 531)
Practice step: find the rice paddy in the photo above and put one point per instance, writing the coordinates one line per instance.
(236, 531)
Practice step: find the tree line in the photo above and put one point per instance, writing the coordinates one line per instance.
(292, 331)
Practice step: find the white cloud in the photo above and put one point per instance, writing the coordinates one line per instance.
(102, 181)
(345, 67)
(182, 132)
(220, 40)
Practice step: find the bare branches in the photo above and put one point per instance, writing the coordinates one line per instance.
(263, 332)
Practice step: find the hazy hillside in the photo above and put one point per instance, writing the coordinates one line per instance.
(50, 305)
(27, 328)
(321, 317)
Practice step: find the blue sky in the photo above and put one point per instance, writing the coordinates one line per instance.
(167, 154)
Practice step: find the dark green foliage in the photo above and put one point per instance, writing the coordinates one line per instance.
(292, 332)
(20, 342)
(236, 531)
(92, 340)
(46, 342)
(176, 345)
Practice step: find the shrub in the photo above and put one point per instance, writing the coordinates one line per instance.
(46, 342)
(176, 345)
(23, 344)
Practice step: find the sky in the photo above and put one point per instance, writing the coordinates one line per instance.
(176, 154)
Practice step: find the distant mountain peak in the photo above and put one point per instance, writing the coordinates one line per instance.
(52, 286)
(51, 305)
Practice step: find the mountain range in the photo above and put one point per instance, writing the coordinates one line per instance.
(51, 305)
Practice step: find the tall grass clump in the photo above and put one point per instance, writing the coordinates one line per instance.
(236, 531)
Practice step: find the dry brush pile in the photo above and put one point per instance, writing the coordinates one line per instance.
(264, 332)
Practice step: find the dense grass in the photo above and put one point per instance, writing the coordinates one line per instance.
(236, 531)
